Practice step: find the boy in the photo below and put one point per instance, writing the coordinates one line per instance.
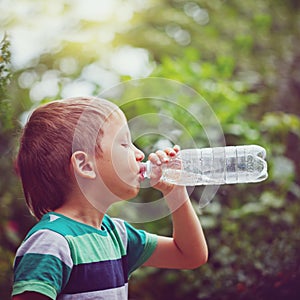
(76, 159)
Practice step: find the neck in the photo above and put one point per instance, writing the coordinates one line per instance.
(80, 209)
(91, 218)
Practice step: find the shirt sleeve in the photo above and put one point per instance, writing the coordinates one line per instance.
(43, 264)
(140, 246)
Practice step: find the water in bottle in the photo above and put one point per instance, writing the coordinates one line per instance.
(214, 166)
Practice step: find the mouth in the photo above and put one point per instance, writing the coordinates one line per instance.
(142, 172)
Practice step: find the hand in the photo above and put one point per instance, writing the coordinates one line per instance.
(157, 159)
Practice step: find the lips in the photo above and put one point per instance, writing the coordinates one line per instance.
(142, 172)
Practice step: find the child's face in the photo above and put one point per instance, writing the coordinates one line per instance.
(119, 165)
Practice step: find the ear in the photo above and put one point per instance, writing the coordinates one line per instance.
(83, 165)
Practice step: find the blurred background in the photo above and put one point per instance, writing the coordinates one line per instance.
(243, 57)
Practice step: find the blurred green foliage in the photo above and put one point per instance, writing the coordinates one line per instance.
(243, 57)
(13, 224)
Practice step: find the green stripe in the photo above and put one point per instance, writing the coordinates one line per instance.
(47, 268)
(34, 286)
(91, 247)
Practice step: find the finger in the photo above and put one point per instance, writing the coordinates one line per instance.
(163, 155)
(172, 151)
(154, 158)
(176, 148)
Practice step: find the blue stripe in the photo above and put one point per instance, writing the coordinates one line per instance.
(85, 277)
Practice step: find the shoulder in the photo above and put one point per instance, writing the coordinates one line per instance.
(126, 229)
(47, 237)
(43, 263)
(46, 243)
(121, 227)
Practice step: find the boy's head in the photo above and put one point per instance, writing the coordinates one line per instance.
(47, 143)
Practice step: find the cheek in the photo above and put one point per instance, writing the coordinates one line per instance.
(123, 160)
(131, 164)
(119, 179)
(118, 166)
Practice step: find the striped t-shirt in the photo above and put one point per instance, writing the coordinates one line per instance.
(65, 259)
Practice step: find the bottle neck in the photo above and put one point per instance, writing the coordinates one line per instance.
(146, 169)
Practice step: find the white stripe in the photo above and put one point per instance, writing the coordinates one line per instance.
(120, 293)
(53, 218)
(47, 242)
(120, 226)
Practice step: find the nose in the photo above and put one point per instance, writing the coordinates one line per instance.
(139, 155)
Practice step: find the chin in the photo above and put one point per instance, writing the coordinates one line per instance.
(132, 192)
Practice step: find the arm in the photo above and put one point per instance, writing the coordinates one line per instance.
(187, 249)
(43, 254)
(30, 296)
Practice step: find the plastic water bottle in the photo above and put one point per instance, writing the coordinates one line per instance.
(214, 166)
